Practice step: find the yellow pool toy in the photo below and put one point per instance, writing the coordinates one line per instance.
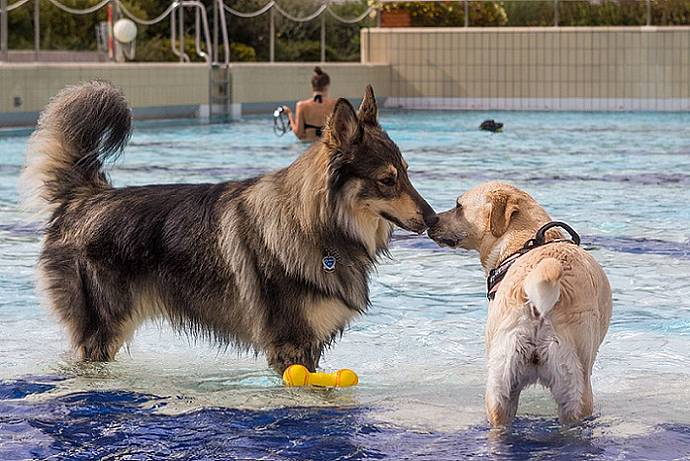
(298, 375)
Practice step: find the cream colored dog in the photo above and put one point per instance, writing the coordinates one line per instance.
(550, 312)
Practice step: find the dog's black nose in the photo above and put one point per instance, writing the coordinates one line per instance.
(431, 220)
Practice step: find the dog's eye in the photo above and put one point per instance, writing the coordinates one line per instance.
(388, 181)
(458, 206)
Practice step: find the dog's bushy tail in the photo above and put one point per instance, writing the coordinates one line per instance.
(82, 127)
(543, 285)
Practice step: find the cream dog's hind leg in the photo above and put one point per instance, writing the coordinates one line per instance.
(518, 359)
(563, 373)
(509, 371)
(558, 365)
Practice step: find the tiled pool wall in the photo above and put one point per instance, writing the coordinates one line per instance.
(258, 87)
(578, 68)
(170, 90)
(154, 90)
(540, 68)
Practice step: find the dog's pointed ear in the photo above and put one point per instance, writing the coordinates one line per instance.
(504, 207)
(368, 110)
(343, 127)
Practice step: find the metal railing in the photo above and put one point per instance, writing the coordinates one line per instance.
(272, 7)
(176, 13)
(219, 28)
(175, 10)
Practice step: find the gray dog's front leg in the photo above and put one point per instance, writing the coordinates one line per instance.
(282, 355)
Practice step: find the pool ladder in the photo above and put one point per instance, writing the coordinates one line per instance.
(220, 95)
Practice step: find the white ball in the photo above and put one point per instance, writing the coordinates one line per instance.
(125, 30)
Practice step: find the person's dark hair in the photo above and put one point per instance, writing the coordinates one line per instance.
(320, 80)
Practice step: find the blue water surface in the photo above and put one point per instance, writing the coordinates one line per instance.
(620, 179)
(113, 425)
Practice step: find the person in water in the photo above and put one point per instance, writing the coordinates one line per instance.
(310, 114)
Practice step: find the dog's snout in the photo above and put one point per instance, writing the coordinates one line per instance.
(431, 220)
(428, 214)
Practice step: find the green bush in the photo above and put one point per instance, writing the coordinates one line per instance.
(620, 13)
(303, 50)
(241, 52)
(452, 14)
(529, 13)
(604, 13)
(59, 30)
(21, 34)
(158, 49)
(155, 49)
(250, 39)
(671, 12)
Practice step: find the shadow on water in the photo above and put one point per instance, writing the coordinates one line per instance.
(622, 244)
(489, 174)
(127, 425)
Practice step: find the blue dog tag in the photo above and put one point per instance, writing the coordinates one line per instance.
(328, 263)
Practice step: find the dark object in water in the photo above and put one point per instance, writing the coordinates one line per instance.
(491, 125)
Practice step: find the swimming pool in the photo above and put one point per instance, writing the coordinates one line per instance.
(622, 180)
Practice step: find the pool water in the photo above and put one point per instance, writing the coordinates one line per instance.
(621, 179)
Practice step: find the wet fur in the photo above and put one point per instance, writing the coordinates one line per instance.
(238, 262)
(551, 311)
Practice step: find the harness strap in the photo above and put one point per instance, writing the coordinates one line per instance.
(497, 274)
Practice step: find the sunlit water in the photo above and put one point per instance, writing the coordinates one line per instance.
(621, 180)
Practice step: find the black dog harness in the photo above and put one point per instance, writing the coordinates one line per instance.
(496, 275)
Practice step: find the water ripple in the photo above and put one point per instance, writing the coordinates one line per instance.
(489, 174)
(621, 244)
(119, 425)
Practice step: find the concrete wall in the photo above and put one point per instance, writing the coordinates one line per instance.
(170, 90)
(602, 68)
(257, 87)
(154, 90)
(56, 56)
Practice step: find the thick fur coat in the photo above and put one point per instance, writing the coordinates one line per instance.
(240, 262)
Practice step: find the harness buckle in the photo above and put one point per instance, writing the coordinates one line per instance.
(497, 274)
